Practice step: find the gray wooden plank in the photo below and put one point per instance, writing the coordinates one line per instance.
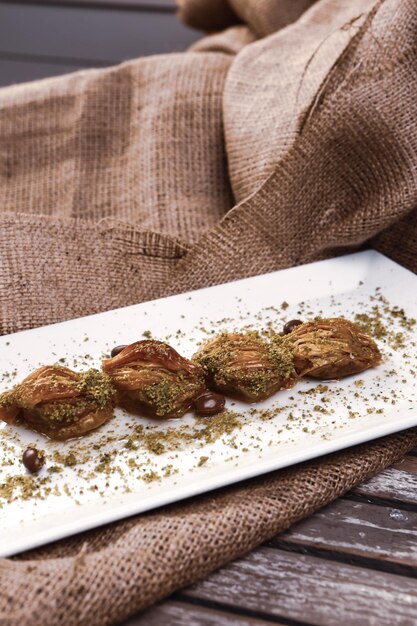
(398, 483)
(115, 4)
(172, 613)
(355, 528)
(89, 33)
(12, 72)
(312, 590)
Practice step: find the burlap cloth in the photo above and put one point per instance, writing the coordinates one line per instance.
(267, 145)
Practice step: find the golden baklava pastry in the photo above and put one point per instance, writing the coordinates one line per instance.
(59, 402)
(152, 379)
(246, 366)
(332, 348)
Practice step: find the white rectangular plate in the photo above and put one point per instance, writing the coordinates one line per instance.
(307, 421)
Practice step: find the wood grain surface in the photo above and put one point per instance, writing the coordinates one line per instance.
(289, 585)
(386, 534)
(117, 5)
(48, 38)
(398, 483)
(177, 613)
(353, 563)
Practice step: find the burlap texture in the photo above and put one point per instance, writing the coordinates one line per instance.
(113, 184)
(90, 144)
(103, 266)
(229, 41)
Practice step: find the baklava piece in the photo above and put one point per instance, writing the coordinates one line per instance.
(246, 366)
(152, 379)
(59, 403)
(332, 348)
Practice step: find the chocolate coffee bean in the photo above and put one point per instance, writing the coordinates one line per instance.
(33, 460)
(117, 350)
(209, 404)
(291, 325)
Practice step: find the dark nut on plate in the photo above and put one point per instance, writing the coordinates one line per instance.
(33, 460)
(117, 350)
(209, 403)
(332, 348)
(290, 326)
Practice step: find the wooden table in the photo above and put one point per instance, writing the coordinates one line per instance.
(42, 38)
(353, 563)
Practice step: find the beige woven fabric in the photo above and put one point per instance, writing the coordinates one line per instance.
(60, 268)
(285, 78)
(229, 41)
(116, 186)
(89, 145)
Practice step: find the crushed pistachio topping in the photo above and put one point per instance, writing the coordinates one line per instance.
(166, 393)
(246, 361)
(96, 387)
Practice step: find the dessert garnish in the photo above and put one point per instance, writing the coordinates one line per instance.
(209, 403)
(33, 460)
(116, 350)
(290, 326)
